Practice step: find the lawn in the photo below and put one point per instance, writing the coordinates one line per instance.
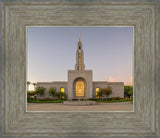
(36, 101)
(114, 101)
(61, 101)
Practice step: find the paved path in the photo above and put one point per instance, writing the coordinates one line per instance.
(121, 106)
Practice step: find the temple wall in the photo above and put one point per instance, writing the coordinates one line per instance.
(117, 88)
(47, 85)
(90, 87)
(86, 75)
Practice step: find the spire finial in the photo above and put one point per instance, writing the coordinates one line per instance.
(79, 37)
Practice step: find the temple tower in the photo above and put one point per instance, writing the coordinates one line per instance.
(79, 56)
(80, 80)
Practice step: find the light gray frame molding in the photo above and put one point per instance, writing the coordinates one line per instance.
(143, 16)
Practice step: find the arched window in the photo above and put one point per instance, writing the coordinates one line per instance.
(62, 89)
(80, 88)
(97, 91)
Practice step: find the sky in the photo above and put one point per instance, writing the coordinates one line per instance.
(108, 52)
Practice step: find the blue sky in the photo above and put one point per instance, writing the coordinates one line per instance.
(51, 52)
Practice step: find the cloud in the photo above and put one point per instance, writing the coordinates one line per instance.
(131, 80)
(111, 79)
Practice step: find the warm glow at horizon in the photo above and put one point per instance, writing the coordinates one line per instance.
(131, 80)
(128, 82)
(111, 79)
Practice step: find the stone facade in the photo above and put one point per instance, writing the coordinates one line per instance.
(90, 91)
(117, 88)
(57, 84)
(85, 76)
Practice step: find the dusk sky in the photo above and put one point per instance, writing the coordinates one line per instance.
(107, 52)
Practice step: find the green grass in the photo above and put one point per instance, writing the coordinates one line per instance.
(54, 101)
(114, 101)
(61, 101)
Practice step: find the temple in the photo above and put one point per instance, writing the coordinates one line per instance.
(80, 82)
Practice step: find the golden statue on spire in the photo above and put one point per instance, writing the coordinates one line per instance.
(79, 37)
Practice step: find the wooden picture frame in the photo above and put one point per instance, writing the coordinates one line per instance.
(143, 16)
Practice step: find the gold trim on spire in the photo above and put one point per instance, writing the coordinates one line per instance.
(79, 37)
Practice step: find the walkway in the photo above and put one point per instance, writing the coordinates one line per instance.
(119, 106)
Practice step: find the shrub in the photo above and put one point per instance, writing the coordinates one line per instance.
(128, 91)
(35, 97)
(100, 94)
(74, 99)
(46, 99)
(93, 99)
(64, 99)
(40, 90)
(107, 91)
(104, 92)
(81, 99)
(60, 95)
(109, 99)
(116, 98)
(52, 92)
(32, 98)
(30, 93)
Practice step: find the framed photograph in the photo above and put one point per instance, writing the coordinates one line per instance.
(91, 68)
(22, 51)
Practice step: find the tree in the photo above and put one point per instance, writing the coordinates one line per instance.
(40, 90)
(128, 91)
(60, 95)
(100, 94)
(29, 94)
(52, 92)
(105, 91)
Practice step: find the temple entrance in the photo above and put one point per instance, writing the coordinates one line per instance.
(79, 89)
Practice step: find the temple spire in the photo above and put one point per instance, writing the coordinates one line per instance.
(79, 37)
(79, 56)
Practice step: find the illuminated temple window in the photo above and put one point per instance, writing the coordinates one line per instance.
(97, 91)
(79, 61)
(62, 89)
(80, 87)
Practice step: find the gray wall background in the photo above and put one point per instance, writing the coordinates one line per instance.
(78, 0)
